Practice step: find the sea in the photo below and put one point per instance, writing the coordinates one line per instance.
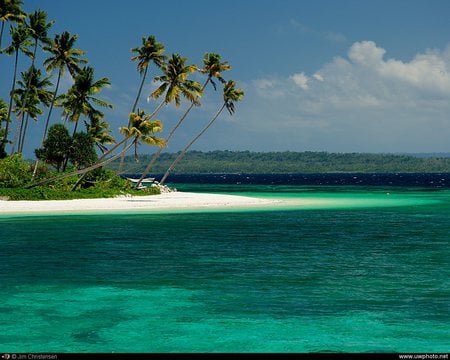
(365, 270)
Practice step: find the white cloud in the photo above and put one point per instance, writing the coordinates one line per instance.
(301, 80)
(364, 102)
(428, 71)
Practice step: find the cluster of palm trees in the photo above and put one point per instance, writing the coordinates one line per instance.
(30, 32)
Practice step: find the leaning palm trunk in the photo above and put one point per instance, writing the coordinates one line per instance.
(181, 155)
(122, 158)
(98, 164)
(177, 125)
(8, 119)
(1, 33)
(47, 121)
(27, 91)
(23, 134)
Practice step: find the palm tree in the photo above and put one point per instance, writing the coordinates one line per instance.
(79, 98)
(230, 94)
(150, 51)
(3, 117)
(141, 128)
(37, 94)
(214, 68)
(37, 27)
(99, 130)
(174, 83)
(10, 10)
(20, 42)
(63, 56)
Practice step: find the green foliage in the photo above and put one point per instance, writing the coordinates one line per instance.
(55, 147)
(14, 171)
(82, 152)
(288, 162)
(47, 193)
(105, 184)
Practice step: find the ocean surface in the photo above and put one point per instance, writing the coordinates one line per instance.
(366, 270)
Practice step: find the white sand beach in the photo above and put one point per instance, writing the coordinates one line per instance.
(162, 202)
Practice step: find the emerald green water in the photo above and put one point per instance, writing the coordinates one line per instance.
(365, 270)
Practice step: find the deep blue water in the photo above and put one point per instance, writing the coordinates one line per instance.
(366, 271)
(429, 180)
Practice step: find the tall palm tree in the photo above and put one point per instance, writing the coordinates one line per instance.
(80, 98)
(3, 117)
(38, 27)
(150, 51)
(63, 56)
(99, 130)
(141, 128)
(20, 42)
(174, 84)
(37, 94)
(10, 10)
(230, 94)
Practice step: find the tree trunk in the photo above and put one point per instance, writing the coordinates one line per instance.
(55, 93)
(158, 153)
(1, 33)
(22, 140)
(181, 155)
(8, 119)
(47, 122)
(122, 158)
(27, 90)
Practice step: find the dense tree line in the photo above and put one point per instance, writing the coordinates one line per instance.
(290, 162)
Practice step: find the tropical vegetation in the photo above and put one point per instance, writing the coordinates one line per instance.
(248, 162)
(77, 145)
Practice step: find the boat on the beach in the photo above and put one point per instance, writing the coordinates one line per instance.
(145, 181)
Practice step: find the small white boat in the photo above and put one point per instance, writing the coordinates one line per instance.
(144, 180)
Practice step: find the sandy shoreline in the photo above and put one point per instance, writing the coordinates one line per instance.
(153, 203)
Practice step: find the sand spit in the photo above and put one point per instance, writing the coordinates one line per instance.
(163, 202)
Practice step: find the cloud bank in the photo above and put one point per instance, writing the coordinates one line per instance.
(363, 102)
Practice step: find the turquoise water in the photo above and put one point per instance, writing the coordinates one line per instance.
(366, 270)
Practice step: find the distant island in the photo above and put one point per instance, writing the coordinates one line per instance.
(290, 162)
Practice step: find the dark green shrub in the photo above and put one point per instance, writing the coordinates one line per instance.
(14, 171)
(55, 147)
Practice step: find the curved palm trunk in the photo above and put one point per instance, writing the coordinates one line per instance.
(8, 118)
(158, 153)
(22, 139)
(55, 93)
(144, 76)
(1, 33)
(47, 122)
(18, 134)
(181, 155)
(122, 158)
(89, 168)
(27, 91)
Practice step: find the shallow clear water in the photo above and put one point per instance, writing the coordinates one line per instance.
(366, 270)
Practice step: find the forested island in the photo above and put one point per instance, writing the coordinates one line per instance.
(288, 162)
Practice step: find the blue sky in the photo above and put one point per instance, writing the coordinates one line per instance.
(319, 75)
